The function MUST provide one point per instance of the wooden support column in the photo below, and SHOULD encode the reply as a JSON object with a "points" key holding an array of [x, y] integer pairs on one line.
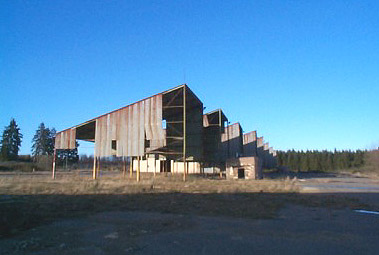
{"points": [[184, 133], [94, 167], [123, 167], [147, 163], [131, 167], [219, 122], [54, 156], [138, 168], [98, 167], [155, 166]]}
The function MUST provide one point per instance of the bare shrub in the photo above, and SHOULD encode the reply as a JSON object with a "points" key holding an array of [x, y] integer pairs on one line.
{"points": [[44, 163]]}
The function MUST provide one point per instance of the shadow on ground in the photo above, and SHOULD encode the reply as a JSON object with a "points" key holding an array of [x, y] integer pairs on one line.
{"points": [[22, 212]]}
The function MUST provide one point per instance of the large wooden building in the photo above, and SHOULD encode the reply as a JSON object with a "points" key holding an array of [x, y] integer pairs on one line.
{"points": [[167, 132]]}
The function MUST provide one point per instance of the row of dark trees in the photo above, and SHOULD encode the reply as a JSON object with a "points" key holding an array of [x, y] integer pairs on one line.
{"points": [[42, 144], [321, 160]]}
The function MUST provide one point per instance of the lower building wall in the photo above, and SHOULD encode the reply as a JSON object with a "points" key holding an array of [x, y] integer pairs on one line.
{"points": [[151, 165], [244, 168], [192, 167]]}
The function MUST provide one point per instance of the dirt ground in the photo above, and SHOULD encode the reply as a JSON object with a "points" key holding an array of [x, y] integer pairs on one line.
{"points": [[313, 214]]}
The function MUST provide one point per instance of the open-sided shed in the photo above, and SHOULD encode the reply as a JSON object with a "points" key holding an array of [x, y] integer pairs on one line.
{"points": [[169, 124]]}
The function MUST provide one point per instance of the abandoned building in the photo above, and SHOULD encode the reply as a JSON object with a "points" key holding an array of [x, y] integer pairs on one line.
{"points": [[169, 132]]}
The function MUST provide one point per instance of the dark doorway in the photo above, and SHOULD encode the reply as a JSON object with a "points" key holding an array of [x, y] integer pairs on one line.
{"points": [[241, 173], [162, 165], [168, 166], [165, 166]]}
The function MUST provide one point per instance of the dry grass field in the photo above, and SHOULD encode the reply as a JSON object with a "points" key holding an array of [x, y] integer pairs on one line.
{"points": [[28, 200]]}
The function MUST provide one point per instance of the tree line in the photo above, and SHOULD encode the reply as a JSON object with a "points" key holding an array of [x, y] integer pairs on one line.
{"points": [[42, 145], [310, 160], [314, 160]]}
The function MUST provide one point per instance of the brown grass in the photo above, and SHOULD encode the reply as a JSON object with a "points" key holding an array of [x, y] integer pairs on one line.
{"points": [[27, 201], [74, 184]]}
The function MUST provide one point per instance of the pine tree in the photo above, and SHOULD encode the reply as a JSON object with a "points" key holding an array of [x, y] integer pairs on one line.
{"points": [[11, 141], [51, 141], [43, 141]]}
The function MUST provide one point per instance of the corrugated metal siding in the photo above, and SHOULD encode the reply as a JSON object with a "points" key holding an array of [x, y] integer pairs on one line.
{"points": [[232, 141], [128, 127], [205, 121], [260, 141], [66, 139], [250, 144]]}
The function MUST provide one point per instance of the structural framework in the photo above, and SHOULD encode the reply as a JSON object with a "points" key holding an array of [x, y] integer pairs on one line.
{"points": [[168, 132]]}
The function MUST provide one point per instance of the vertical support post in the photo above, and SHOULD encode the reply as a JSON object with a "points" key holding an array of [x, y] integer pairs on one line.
{"points": [[219, 118], [147, 163], [155, 166], [131, 167], [184, 133], [54, 156], [94, 167], [220, 125], [98, 167], [228, 141], [138, 168], [123, 167]]}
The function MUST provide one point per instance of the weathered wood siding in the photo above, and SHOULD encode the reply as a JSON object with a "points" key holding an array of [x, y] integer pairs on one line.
{"points": [[250, 144], [232, 141], [131, 127], [66, 139]]}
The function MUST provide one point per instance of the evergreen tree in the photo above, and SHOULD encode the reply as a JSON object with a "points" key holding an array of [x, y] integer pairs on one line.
{"points": [[11, 141], [50, 142], [321, 160], [43, 141]]}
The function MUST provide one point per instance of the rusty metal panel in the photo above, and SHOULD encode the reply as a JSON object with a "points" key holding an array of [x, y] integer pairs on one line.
{"points": [[250, 144], [141, 129], [58, 140], [159, 139], [72, 144], [205, 120], [134, 128], [98, 137], [232, 141], [153, 122], [250, 137], [147, 120], [128, 126], [62, 140], [260, 141], [66, 139], [121, 133], [103, 133]]}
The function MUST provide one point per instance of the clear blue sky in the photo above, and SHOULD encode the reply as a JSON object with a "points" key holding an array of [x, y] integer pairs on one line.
{"points": [[305, 74]]}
